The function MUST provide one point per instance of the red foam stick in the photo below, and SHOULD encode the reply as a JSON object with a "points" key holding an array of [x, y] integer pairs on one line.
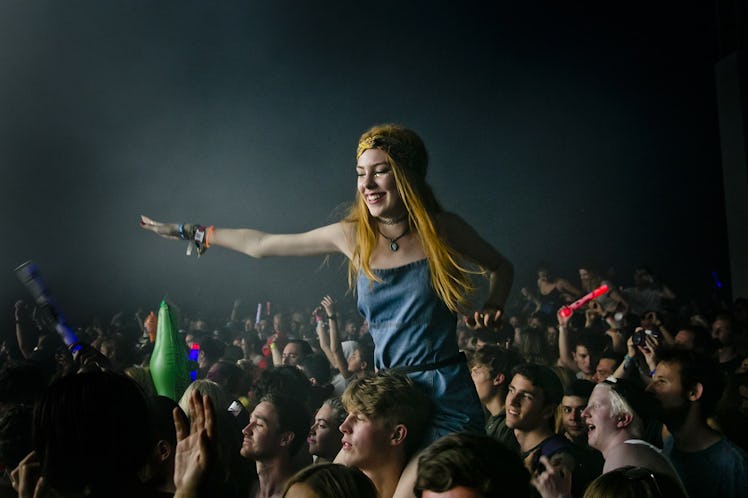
{"points": [[566, 311]]}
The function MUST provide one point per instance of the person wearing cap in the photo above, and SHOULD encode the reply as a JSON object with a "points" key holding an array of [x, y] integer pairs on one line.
{"points": [[615, 426], [688, 387]]}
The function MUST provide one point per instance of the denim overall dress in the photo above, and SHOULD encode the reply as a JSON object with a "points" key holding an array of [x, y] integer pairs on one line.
{"points": [[413, 330]]}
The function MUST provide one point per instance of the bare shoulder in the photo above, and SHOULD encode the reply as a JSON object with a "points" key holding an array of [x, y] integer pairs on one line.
{"points": [[619, 456], [641, 455], [348, 242]]}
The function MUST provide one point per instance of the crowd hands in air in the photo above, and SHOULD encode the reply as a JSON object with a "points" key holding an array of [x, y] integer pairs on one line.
{"points": [[639, 393]]}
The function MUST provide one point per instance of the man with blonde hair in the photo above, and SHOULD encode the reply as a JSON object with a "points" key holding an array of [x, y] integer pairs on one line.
{"points": [[387, 415], [615, 426]]}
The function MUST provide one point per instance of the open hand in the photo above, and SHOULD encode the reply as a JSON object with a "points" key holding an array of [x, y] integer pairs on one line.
{"points": [[552, 482], [166, 230], [196, 458], [26, 478], [329, 304]]}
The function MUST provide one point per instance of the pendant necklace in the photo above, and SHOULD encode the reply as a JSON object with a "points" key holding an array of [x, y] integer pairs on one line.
{"points": [[393, 242]]}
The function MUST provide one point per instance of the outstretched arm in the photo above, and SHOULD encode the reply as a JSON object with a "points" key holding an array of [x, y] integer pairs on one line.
{"points": [[564, 347], [324, 240]]}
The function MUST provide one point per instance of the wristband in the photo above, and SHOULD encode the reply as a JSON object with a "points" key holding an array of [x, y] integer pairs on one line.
{"points": [[331, 317], [273, 346], [208, 234], [652, 372], [199, 239]]}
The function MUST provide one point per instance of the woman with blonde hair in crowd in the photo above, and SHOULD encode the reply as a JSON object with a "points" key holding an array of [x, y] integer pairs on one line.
{"points": [[408, 260]]}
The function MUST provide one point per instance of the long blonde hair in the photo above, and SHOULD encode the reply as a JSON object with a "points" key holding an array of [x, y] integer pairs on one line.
{"points": [[407, 156]]}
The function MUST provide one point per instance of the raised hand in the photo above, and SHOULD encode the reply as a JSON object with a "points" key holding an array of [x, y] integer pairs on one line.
{"points": [[553, 481], [196, 458], [26, 478], [329, 304]]}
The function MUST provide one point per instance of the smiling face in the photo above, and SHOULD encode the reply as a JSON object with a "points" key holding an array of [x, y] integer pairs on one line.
{"points": [[601, 425], [324, 436], [376, 185], [525, 405]]}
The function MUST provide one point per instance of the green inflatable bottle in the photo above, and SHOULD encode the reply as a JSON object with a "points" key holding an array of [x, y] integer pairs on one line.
{"points": [[169, 360]]}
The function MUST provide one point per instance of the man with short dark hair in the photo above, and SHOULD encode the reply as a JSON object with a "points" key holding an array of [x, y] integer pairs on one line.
{"points": [[531, 402], [490, 368], [688, 387], [277, 429], [465, 465], [573, 428]]}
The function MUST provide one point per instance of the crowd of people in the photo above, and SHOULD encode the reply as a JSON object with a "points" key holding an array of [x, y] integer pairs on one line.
{"points": [[420, 391], [607, 402]]}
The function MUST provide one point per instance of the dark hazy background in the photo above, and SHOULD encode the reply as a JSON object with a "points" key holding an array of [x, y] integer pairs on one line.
{"points": [[562, 133]]}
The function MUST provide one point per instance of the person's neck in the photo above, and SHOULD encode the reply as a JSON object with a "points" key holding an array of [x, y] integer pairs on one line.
{"points": [[726, 353], [618, 438], [272, 475], [386, 475], [394, 220], [496, 404], [694, 434], [530, 439]]}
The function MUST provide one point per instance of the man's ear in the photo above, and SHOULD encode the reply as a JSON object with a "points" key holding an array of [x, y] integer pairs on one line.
{"points": [[624, 420], [286, 438], [399, 433], [695, 393], [499, 379], [164, 449]]}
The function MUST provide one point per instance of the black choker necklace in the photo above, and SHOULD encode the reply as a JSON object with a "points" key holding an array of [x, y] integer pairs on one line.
{"points": [[393, 242], [386, 221]]}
